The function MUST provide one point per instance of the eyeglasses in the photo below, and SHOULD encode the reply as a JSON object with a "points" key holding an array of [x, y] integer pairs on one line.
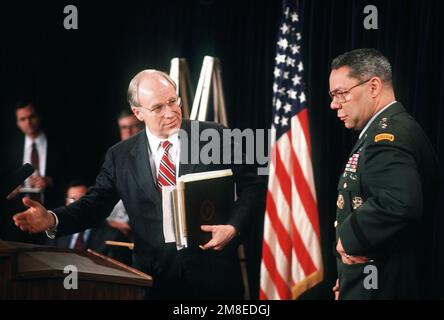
{"points": [[160, 109], [340, 94]]}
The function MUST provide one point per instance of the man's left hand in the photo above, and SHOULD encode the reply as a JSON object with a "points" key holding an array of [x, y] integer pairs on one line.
{"points": [[221, 235], [348, 259]]}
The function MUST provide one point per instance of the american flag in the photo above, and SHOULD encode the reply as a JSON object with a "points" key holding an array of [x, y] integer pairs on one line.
{"points": [[291, 253]]}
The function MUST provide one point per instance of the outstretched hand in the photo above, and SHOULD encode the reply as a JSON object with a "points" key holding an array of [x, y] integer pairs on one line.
{"points": [[35, 219], [221, 235]]}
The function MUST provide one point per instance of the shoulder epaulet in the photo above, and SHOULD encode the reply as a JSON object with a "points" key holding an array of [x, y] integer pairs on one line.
{"points": [[383, 131]]}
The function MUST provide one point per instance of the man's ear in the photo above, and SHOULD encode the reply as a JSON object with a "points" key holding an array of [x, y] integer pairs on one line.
{"points": [[375, 86], [137, 113]]}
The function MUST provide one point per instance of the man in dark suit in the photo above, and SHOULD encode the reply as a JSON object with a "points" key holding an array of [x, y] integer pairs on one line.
{"points": [[388, 188], [134, 172], [42, 151], [49, 159]]}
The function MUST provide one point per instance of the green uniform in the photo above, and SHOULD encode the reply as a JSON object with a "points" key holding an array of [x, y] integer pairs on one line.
{"points": [[385, 195]]}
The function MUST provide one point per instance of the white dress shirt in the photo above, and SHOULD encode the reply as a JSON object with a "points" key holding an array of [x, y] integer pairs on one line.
{"points": [[155, 151]]}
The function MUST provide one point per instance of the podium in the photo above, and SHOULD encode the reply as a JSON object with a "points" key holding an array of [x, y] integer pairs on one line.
{"points": [[29, 271]]}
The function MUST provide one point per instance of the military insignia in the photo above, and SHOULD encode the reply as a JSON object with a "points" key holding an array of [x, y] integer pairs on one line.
{"points": [[352, 164], [353, 176], [357, 202], [384, 136], [344, 175], [383, 123], [340, 201]]}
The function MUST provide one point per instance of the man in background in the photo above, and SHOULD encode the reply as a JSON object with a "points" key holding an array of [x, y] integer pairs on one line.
{"points": [[44, 153], [128, 126], [93, 238], [49, 158], [118, 220], [82, 240]]}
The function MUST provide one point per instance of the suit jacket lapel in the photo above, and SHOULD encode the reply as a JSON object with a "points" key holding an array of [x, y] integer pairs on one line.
{"points": [[142, 168], [141, 165]]}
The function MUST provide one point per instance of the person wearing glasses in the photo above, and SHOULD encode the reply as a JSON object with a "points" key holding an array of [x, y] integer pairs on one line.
{"points": [[119, 228], [83, 240], [92, 238], [128, 124], [387, 190], [136, 170]]}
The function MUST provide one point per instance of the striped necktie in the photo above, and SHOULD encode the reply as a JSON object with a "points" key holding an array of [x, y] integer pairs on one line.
{"points": [[167, 170]]}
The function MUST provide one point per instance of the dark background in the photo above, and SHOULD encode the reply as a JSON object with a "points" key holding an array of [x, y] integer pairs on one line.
{"points": [[80, 77]]}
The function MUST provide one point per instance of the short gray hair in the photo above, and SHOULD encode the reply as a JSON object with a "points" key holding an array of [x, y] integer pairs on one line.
{"points": [[133, 88], [364, 64]]}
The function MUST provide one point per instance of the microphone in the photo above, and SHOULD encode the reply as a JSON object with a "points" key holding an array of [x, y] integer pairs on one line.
{"points": [[15, 179]]}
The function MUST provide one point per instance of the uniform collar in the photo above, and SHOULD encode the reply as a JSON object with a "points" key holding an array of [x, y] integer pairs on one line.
{"points": [[374, 117]]}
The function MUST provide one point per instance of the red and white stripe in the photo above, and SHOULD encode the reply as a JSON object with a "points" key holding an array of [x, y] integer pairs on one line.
{"points": [[167, 171], [291, 254]]}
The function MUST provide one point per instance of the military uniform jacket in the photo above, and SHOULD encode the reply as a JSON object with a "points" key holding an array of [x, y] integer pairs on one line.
{"points": [[383, 197]]}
